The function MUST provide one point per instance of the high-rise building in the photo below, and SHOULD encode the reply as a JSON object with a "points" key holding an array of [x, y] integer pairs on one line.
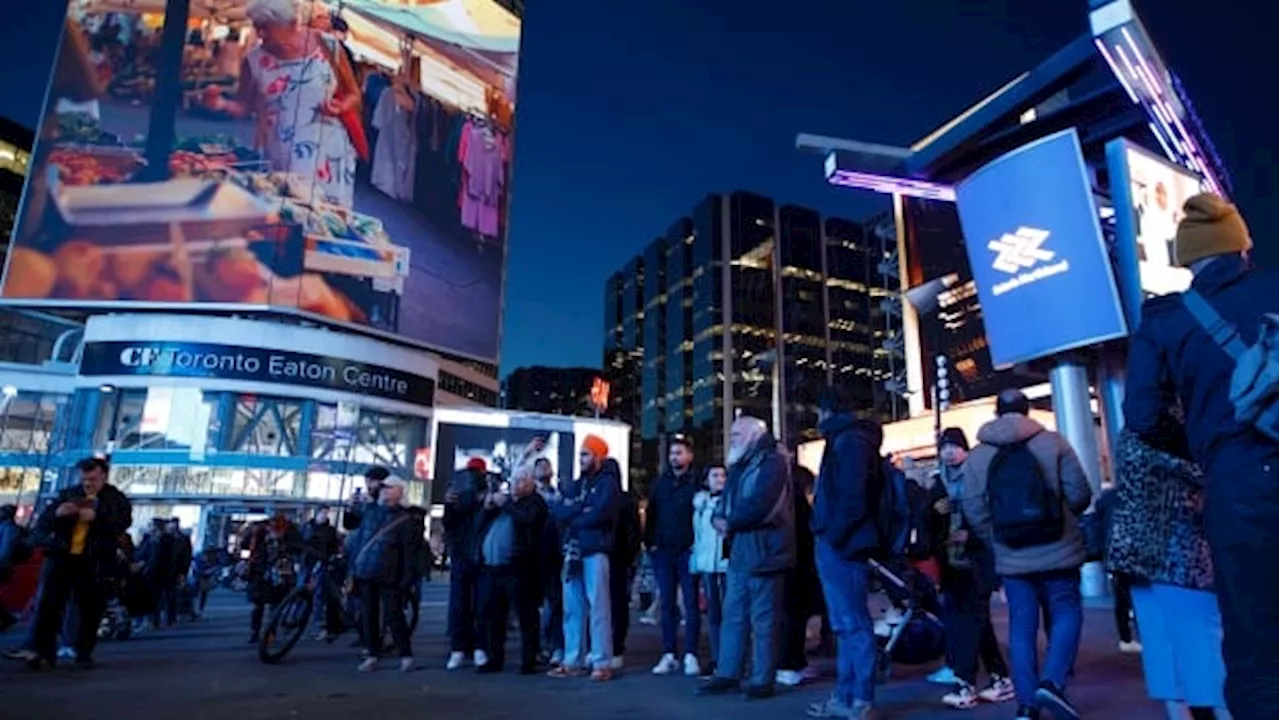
{"points": [[551, 390], [747, 306]]}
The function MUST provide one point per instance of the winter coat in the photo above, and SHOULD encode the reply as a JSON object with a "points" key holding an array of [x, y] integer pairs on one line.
{"points": [[588, 510], [1064, 476], [668, 524], [708, 545], [322, 540], [844, 507], [386, 548], [528, 517], [1157, 523], [114, 515], [758, 510], [464, 517], [1171, 355]]}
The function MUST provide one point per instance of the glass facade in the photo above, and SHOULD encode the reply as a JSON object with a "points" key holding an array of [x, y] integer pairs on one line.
{"points": [[804, 319], [707, 325]]}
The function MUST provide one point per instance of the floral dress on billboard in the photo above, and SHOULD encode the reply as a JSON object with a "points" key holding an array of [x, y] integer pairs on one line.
{"points": [[295, 136]]}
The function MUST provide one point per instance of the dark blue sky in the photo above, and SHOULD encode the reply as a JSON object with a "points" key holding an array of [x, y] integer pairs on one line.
{"points": [[630, 112]]}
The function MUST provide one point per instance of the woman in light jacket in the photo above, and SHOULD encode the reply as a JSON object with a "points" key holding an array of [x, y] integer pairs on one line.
{"points": [[1157, 538], [709, 559]]}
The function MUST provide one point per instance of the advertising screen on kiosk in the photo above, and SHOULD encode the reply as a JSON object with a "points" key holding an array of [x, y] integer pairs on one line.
{"points": [[1036, 250], [347, 161]]}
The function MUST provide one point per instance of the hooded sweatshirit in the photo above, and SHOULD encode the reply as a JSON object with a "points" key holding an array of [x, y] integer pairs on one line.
{"points": [[1062, 472]]}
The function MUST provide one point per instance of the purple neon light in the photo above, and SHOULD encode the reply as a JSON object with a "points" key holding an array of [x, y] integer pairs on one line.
{"points": [[893, 185], [1115, 69], [1137, 54]]}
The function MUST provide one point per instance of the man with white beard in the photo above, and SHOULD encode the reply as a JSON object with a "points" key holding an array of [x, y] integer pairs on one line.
{"points": [[757, 518]]}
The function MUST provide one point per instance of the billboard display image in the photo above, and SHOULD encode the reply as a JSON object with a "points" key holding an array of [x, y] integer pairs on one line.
{"points": [[347, 161], [502, 448], [1148, 193]]}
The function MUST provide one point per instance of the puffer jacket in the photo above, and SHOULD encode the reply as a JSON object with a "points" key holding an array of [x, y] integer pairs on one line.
{"points": [[588, 511], [1157, 523], [844, 506], [708, 547], [386, 547], [759, 513], [1062, 472]]}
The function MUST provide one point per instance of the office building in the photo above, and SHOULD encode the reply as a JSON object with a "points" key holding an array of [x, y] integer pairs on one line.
{"points": [[551, 390], [747, 306]]}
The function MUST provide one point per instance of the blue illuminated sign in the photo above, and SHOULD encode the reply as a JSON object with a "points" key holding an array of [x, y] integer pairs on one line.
{"points": [[1037, 254]]}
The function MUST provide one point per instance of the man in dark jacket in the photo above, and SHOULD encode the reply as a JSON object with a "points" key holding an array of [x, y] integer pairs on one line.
{"points": [[354, 515], [463, 513], [81, 530], [1174, 360], [968, 579], [384, 564], [668, 537], [802, 597], [320, 538], [756, 515], [11, 536], [628, 539], [275, 546], [844, 526], [512, 536], [550, 559], [588, 515]]}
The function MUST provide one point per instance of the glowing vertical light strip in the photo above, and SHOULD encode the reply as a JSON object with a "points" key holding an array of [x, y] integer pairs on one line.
{"points": [[1138, 55], [1168, 151], [1115, 69]]}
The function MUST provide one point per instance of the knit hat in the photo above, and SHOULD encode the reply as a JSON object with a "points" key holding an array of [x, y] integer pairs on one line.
{"points": [[1211, 226], [595, 445], [477, 463], [954, 436]]}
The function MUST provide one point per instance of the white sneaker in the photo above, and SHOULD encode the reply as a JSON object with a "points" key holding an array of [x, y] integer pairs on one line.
{"points": [[648, 620], [963, 698], [369, 664], [456, 661], [480, 658], [616, 663], [406, 665], [557, 658], [943, 676], [692, 668], [666, 665], [1131, 648], [788, 678], [1000, 690], [66, 653]]}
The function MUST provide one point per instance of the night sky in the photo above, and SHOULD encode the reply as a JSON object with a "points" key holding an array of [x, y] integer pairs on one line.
{"points": [[630, 112]]}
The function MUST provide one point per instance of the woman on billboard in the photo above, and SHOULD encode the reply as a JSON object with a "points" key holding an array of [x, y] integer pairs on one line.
{"points": [[301, 88]]}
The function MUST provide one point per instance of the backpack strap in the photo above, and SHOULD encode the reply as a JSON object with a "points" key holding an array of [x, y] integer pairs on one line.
{"points": [[1222, 332]]}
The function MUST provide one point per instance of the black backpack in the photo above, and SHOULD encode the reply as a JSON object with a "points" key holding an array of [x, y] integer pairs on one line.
{"points": [[1025, 511], [893, 511]]}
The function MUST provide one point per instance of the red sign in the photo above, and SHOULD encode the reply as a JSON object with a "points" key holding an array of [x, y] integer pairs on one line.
{"points": [[422, 463], [600, 394]]}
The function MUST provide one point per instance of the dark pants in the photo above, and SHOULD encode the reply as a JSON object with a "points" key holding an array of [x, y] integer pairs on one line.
{"points": [[1123, 607], [795, 623], [969, 633], [623, 572], [714, 587], [166, 590], [464, 600], [375, 599], [501, 589], [68, 579], [752, 621], [671, 570], [1060, 590], [1240, 520], [552, 611]]}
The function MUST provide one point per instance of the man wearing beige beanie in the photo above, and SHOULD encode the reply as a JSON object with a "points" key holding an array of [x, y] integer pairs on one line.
{"points": [[1174, 362]]}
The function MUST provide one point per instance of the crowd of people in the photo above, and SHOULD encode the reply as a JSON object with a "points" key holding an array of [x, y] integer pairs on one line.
{"points": [[762, 546]]}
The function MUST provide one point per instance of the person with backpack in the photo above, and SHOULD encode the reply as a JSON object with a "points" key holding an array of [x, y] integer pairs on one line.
{"points": [[968, 580], [847, 527], [1024, 491], [1213, 350]]}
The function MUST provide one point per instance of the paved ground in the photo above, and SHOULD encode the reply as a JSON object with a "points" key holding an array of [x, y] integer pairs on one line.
{"points": [[205, 670]]}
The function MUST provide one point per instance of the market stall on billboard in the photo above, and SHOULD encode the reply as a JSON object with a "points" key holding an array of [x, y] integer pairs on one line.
{"points": [[349, 163]]}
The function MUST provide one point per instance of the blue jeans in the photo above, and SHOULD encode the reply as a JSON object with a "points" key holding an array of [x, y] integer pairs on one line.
{"points": [[844, 584], [588, 611], [1060, 590], [671, 571]]}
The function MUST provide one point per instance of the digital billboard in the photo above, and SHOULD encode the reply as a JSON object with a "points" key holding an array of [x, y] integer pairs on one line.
{"points": [[1035, 247], [345, 161], [1148, 193]]}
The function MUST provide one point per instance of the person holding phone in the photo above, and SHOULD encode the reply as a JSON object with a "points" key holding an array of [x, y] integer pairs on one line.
{"points": [[463, 515]]}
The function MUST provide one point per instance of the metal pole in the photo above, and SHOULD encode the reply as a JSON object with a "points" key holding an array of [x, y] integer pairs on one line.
{"points": [[162, 131], [1069, 379], [1111, 382]]}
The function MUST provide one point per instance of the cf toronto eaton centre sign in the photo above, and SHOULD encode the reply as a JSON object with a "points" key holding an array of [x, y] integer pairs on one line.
{"points": [[230, 362], [1031, 231]]}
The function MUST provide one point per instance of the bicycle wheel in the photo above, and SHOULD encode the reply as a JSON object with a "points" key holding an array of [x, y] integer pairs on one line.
{"points": [[286, 626]]}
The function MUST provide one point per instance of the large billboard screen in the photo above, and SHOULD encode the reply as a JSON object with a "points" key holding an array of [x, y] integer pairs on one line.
{"points": [[347, 161], [1148, 193], [1036, 251]]}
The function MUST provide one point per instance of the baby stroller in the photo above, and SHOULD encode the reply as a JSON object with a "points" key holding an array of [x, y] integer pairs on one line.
{"points": [[906, 614]]}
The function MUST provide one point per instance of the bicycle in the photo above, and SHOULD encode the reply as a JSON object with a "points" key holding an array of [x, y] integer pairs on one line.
{"points": [[292, 616]]}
